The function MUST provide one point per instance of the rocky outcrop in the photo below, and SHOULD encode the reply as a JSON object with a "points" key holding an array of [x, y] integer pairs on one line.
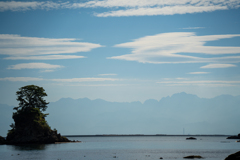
{"points": [[235, 156], [193, 156], [31, 127], [191, 138], [2, 140], [234, 137]]}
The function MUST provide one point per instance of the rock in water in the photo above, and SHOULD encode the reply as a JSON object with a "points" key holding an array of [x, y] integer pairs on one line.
{"points": [[234, 137], [31, 127], [2, 140], [235, 156], [191, 138], [193, 156]]}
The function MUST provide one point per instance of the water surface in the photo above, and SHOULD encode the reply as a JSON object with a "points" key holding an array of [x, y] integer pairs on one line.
{"points": [[125, 148]]}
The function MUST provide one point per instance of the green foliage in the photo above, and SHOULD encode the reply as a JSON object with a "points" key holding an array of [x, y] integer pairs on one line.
{"points": [[31, 116], [28, 117], [31, 96], [30, 124]]}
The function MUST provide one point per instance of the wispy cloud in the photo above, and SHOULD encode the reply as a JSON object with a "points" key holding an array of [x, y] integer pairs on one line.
{"points": [[34, 66], [193, 28], [107, 74], [70, 80], [201, 83], [218, 66], [84, 80], [129, 8], [199, 73], [167, 10], [48, 57], [35, 48], [21, 79], [24, 6], [168, 48]]}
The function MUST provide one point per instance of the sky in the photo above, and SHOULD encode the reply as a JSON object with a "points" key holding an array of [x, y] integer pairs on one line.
{"points": [[118, 50]]}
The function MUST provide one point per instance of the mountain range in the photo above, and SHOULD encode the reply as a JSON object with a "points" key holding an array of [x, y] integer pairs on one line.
{"points": [[181, 113]]}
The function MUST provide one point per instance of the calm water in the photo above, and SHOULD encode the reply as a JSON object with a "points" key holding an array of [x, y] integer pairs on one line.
{"points": [[125, 148]]}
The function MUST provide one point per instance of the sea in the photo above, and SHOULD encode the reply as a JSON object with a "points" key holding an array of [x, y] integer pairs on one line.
{"points": [[125, 148]]}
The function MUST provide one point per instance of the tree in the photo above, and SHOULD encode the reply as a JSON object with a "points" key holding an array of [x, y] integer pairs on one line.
{"points": [[30, 124], [31, 96]]}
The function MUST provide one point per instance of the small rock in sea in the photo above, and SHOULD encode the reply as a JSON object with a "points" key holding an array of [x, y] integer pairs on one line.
{"points": [[191, 138], [193, 156], [114, 156], [235, 156], [160, 158]]}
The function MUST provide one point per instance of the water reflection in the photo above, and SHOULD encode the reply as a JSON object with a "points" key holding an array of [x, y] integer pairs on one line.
{"points": [[27, 147]]}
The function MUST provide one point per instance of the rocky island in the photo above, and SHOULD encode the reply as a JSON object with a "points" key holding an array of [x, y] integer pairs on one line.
{"points": [[234, 137], [30, 125]]}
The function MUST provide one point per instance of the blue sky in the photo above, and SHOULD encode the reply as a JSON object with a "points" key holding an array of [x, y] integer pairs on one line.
{"points": [[120, 50]]}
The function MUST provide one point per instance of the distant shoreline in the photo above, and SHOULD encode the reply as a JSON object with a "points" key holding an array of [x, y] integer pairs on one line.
{"points": [[143, 135]]}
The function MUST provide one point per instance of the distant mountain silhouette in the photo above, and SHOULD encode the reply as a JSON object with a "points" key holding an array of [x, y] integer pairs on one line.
{"points": [[219, 115]]}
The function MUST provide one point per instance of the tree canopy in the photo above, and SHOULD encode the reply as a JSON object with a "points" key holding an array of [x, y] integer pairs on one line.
{"points": [[30, 124], [31, 96]]}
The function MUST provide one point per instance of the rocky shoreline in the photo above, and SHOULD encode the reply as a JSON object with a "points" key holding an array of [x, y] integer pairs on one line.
{"points": [[234, 137]]}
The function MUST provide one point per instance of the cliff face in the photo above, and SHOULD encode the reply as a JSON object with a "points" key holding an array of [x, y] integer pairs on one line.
{"points": [[31, 127]]}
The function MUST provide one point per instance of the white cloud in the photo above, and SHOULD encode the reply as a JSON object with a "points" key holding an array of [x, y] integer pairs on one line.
{"points": [[168, 10], [168, 48], [201, 83], [48, 57], [198, 73], [193, 28], [181, 78], [37, 48], [155, 7], [34, 66], [107, 74], [84, 79], [21, 79], [129, 8], [218, 66], [70, 80], [23, 6]]}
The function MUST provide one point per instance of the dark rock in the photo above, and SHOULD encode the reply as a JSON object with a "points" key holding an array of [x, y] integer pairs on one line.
{"points": [[2, 140], [193, 156], [235, 156], [234, 137], [31, 128], [191, 138]]}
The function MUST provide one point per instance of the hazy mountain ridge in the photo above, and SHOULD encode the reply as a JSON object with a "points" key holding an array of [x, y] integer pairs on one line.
{"points": [[169, 115]]}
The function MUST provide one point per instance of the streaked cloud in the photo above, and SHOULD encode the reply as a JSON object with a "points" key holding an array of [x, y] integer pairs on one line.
{"points": [[209, 83], [34, 66], [129, 8], [193, 28], [107, 74], [24, 6], [35, 48], [168, 48], [179, 78], [70, 80], [218, 66], [21, 79], [84, 80], [49, 57], [199, 73], [167, 10]]}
